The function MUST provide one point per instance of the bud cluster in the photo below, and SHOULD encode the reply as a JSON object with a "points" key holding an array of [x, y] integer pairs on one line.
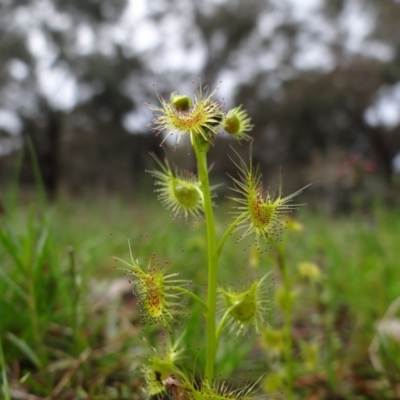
{"points": [[246, 308], [201, 116], [179, 191], [261, 212], [156, 291]]}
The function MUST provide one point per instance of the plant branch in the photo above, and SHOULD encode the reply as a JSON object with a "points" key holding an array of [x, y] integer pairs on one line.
{"points": [[212, 259], [193, 296]]}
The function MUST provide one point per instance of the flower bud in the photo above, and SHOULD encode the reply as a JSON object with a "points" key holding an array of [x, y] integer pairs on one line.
{"points": [[156, 372], [310, 353], [243, 305], [181, 102], [161, 366], [285, 299], [186, 194], [246, 308], [274, 382], [155, 291], [180, 192], [261, 212], [221, 390], [237, 123], [309, 270], [182, 116], [292, 224], [273, 341], [232, 123]]}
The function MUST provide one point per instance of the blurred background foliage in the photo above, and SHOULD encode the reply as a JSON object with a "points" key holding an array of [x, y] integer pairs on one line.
{"points": [[320, 79]]}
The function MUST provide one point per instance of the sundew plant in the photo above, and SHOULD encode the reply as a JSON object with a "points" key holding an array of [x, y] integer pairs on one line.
{"points": [[257, 213]]}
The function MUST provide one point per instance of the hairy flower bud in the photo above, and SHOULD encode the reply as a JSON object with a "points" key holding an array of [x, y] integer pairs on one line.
{"points": [[309, 270], [273, 341], [160, 366], [181, 102], [246, 308], [292, 224], [221, 390], [155, 291], [284, 299], [310, 354], [260, 212], [182, 116], [237, 123], [180, 192]]}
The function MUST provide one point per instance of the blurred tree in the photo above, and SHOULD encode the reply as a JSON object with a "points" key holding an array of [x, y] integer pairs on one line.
{"points": [[300, 105], [314, 76], [49, 76]]}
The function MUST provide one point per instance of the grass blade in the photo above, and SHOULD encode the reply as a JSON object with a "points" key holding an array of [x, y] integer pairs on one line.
{"points": [[11, 244], [13, 190], [13, 286], [25, 349], [36, 172], [5, 389]]}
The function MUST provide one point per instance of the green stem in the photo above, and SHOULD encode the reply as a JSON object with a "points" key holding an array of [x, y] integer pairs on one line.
{"points": [[227, 233], [212, 260], [192, 295], [329, 363], [287, 321], [33, 311], [75, 294], [222, 323]]}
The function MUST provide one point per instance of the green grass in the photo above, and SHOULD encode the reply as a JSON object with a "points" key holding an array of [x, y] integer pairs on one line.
{"points": [[64, 333]]}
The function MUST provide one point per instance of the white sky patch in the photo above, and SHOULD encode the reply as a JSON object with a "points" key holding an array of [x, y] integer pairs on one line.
{"points": [[379, 50], [104, 42], [173, 31], [10, 122], [18, 69], [357, 21], [134, 12], [316, 34], [39, 46], [312, 43], [219, 1], [396, 163], [315, 55], [58, 21], [23, 19], [227, 87], [302, 9], [55, 82], [138, 121], [145, 36], [181, 59], [268, 61], [268, 21], [85, 39], [10, 144], [134, 29], [386, 110], [59, 86]]}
